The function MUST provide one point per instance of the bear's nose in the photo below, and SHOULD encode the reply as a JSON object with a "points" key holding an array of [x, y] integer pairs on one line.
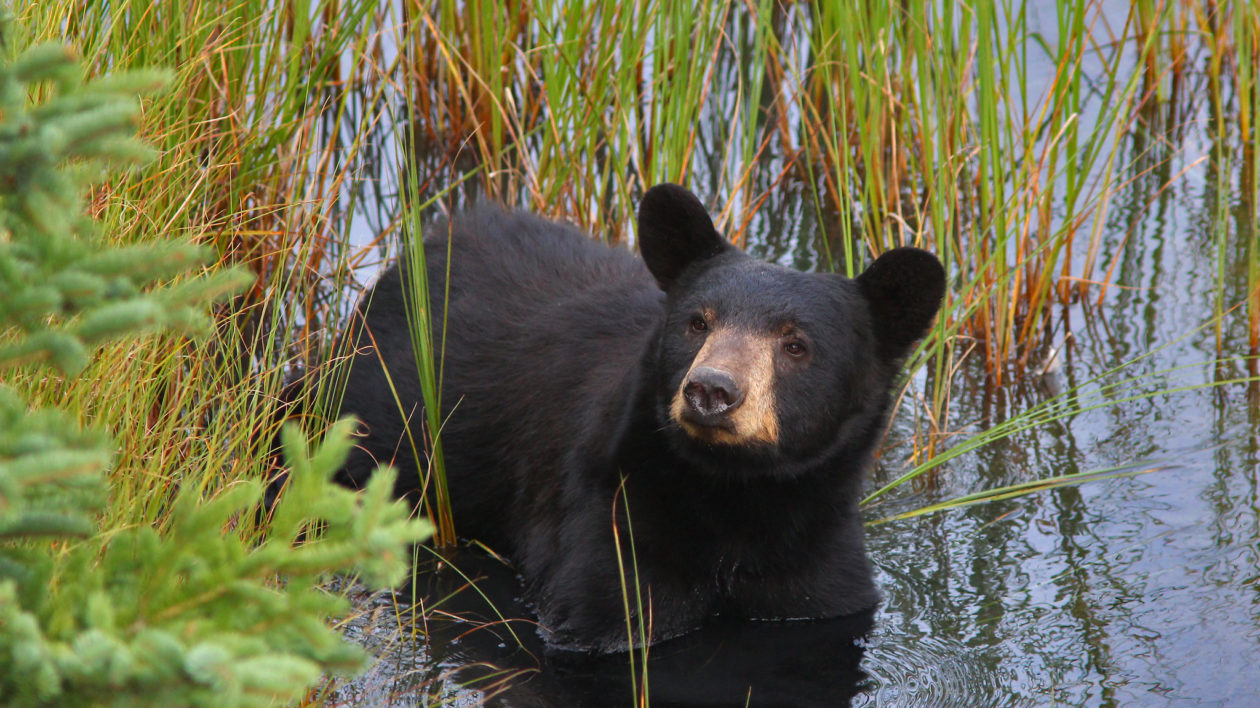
{"points": [[711, 392]]}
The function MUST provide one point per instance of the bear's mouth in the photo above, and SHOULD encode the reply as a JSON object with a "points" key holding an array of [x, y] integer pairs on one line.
{"points": [[691, 419], [710, 429]]}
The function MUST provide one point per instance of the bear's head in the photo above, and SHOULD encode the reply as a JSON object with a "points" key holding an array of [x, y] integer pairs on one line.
{"points": [[762, 369]]}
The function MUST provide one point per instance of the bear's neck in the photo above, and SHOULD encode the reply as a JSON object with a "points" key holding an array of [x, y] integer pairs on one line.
{"points": [[712, 503]]}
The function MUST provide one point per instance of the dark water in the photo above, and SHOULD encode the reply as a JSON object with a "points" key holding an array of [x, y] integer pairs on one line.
{"points": [[1134, 590]]}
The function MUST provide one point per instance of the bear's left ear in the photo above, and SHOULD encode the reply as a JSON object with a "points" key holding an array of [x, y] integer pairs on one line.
{"points": [[904, 288], [675, 231]]}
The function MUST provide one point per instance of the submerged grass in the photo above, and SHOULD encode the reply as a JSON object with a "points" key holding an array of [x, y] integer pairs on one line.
{"points": [[996, 139]]}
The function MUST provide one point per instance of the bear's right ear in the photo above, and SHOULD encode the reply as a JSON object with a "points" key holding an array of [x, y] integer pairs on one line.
{"points": [[904, 288], [675, 231]]}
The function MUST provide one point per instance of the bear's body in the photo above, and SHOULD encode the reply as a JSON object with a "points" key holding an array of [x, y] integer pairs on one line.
{"points": [[717, 410]]}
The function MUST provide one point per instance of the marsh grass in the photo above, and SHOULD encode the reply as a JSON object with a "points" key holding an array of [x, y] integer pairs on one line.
{"points": [[637, 612], [933, 124], [428, 337], [961, 130]]}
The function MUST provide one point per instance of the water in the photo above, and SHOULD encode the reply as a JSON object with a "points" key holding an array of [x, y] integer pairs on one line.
{"points": [[1141, 589], [1134, 591]]}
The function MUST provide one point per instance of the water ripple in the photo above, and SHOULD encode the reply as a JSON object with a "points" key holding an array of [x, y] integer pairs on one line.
{"points": [[930, 671]]}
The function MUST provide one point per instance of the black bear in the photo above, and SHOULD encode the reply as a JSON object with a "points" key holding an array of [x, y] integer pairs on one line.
{"points": [[694, 423]]}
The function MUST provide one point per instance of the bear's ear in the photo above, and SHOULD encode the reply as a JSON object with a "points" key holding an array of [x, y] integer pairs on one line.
{"points": [[904, 288], [675, 231]]}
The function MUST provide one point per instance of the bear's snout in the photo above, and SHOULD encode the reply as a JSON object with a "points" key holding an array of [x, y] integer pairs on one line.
{"points": [[711, 393], [727, 396]]}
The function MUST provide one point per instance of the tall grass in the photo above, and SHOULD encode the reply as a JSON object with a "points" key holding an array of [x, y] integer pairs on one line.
{"points": [[250, 163], [567, 112], [428, 335], [1245, 56], [959, 128]]}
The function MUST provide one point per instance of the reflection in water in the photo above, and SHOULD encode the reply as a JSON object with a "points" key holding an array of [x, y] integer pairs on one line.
{"points": [[1115, 593], [478, 637]]}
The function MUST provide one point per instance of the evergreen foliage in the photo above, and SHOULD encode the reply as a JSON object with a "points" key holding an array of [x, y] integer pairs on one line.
{"points": [[194, 613]]}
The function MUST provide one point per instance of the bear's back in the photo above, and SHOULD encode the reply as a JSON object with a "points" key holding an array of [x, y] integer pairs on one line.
{"points": [[546, 329], [519, 261]]}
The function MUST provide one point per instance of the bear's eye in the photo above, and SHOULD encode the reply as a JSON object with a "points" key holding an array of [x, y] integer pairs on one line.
{"points": [[794, 348], [698, 324]]}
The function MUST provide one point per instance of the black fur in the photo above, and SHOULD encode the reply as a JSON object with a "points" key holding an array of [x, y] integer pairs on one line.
{"points": [[561, 358]]}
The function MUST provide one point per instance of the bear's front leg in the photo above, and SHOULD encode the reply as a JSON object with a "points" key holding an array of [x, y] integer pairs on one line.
{"points": [[834, 579], [595, 605]]}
